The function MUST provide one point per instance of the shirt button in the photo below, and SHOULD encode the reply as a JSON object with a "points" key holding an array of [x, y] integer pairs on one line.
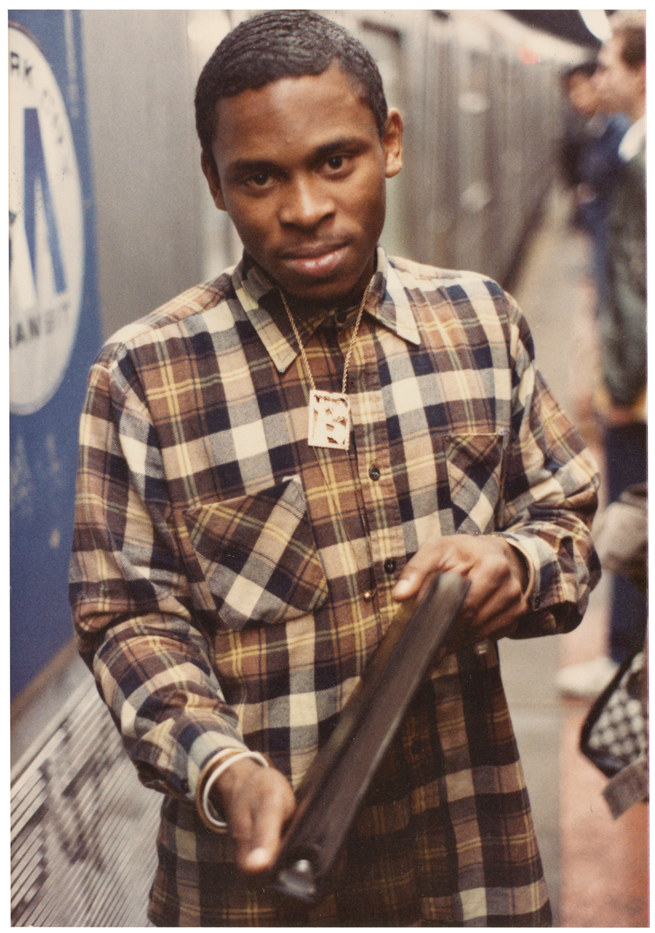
{"points": [[390, 565], [341, 317], [374, 473], [368, 595]]}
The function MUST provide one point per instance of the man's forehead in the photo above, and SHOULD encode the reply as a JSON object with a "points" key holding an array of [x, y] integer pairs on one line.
{"points": [[334, 80], [295, 105]]}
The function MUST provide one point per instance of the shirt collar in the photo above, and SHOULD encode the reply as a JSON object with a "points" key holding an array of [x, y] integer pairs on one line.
{"points": [[387, 302], [633, 140]]}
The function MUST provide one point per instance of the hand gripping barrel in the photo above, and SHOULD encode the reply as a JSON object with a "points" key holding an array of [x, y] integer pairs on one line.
{"points": [[335, 784]]}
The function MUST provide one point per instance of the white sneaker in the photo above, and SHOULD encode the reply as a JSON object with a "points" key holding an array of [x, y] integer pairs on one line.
{"points": [[587, 679]]}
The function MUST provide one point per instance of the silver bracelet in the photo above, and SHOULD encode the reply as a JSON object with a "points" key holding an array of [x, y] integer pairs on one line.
{"points": [[214, 776]]}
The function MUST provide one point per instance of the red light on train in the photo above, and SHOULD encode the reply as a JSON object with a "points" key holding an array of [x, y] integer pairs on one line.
{"points": [[528, 56]]}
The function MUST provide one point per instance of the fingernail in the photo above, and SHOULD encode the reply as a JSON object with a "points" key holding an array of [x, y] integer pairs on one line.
{"points": [[257, 858], [401, 589]]}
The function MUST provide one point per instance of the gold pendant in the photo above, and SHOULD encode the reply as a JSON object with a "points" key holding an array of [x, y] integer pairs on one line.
{"points": [[329, 420]]}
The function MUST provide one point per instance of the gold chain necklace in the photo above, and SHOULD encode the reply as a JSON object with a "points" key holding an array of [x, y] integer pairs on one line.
{"points": [[329, 412]]}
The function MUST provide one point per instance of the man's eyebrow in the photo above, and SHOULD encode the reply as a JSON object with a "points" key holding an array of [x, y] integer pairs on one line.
{"points": [[336, 145], [241, 167]]}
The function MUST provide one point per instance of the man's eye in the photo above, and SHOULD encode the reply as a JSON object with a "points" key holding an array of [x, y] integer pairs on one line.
{"points": [[336, 162], [260, 179]]}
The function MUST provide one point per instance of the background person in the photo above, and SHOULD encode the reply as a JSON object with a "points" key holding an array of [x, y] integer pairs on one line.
{"points": [[621, 399], [591, 160]]}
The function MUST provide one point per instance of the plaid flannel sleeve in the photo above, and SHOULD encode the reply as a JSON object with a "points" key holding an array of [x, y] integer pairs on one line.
{"points": [[130, 599], [549, 497]]}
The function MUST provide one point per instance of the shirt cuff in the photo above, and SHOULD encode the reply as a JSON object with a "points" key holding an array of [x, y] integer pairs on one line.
{"points": [[527, 562]]}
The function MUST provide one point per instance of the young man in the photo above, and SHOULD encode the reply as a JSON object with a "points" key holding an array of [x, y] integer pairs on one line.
{"points": [[622, 82], [270, 464]]}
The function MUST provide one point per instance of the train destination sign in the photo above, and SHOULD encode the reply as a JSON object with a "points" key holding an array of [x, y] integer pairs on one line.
{"points": [[46, 229]]}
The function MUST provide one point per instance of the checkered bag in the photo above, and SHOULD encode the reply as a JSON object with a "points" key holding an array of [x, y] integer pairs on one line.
{"points": [[615, 732]]}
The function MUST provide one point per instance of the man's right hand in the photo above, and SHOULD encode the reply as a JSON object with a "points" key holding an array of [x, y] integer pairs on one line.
{"points": [[257, 803]]}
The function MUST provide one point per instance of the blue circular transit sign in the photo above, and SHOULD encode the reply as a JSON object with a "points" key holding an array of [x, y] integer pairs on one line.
{"points": [[46, 229]]}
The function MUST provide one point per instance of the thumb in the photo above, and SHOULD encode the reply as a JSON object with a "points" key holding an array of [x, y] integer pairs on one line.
{"points": [[270, 810], [263, 843], [415, 573], [408, 583], [258, 859]]}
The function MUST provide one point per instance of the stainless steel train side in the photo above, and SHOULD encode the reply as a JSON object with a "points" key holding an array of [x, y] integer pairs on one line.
{"points": [[482, 107]]}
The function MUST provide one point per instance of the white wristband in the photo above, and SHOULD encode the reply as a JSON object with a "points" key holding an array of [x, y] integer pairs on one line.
{"points": [[214, 776]]}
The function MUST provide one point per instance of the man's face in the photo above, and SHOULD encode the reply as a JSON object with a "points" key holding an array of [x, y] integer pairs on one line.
{"points": [[618, 85], [301, 172], [583, 94]]}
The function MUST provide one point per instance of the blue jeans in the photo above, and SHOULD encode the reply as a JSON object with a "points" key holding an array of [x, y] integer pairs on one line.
{"points": [[627, 464]]}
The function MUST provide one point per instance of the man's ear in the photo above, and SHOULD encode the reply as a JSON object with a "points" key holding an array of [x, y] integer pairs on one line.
{"points": [[392, 143], [211, 174]]}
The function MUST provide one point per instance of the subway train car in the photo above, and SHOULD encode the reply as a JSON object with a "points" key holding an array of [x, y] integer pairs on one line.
{"points": [[480, 96]]}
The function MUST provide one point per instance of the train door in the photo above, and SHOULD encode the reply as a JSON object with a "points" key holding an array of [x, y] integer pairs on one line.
{"points": [[507, 164], [434, 157], [474, 181]]}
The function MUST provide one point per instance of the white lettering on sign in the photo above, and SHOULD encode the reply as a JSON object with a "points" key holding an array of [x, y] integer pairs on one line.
{"points": [[46, 229]]}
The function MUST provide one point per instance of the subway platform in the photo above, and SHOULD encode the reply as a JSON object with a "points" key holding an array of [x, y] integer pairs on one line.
{"points": [[596, 867]]}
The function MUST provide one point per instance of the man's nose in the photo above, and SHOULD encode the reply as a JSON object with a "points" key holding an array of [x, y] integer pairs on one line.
{"points": [[306, 203]]}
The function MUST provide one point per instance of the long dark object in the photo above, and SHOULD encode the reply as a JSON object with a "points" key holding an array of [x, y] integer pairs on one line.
{"points": [[335, 785]]}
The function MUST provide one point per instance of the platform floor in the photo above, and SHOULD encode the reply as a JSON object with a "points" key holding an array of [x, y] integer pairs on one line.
{"points": [[596, 867]]}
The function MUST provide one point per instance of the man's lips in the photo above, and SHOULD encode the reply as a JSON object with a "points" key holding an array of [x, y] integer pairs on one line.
{"points": [[314, 262]]}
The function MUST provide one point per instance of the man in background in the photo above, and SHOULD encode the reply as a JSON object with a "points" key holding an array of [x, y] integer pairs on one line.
{"points": [[590, 160], [621, 399]]}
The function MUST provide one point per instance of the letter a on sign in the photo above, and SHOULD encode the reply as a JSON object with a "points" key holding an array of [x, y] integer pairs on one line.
{"points": [[37, 194]]}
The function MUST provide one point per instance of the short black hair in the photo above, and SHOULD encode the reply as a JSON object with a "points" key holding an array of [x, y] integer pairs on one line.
{"points": [[630, 27], [282, 44]]}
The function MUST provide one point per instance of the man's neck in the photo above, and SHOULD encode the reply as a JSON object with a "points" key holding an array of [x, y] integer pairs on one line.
{"points": [[308, 308], [638, 110]]}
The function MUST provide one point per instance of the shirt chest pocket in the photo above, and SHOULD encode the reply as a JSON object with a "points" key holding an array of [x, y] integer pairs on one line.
{"points": [[257, 558], [475, 478]]}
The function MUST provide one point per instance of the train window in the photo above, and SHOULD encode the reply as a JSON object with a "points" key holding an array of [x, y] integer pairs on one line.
{"points": [[473, 109], [384, 44]]}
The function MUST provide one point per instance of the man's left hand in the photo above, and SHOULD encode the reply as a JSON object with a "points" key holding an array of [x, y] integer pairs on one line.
{"points": [[497, 575]]}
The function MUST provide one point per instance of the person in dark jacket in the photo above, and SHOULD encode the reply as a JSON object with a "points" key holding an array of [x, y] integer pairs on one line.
{"points": [[621, 398], [590, 160]]}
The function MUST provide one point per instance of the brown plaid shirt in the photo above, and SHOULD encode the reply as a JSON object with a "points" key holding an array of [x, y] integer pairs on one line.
{"points": [[229, 582]]}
